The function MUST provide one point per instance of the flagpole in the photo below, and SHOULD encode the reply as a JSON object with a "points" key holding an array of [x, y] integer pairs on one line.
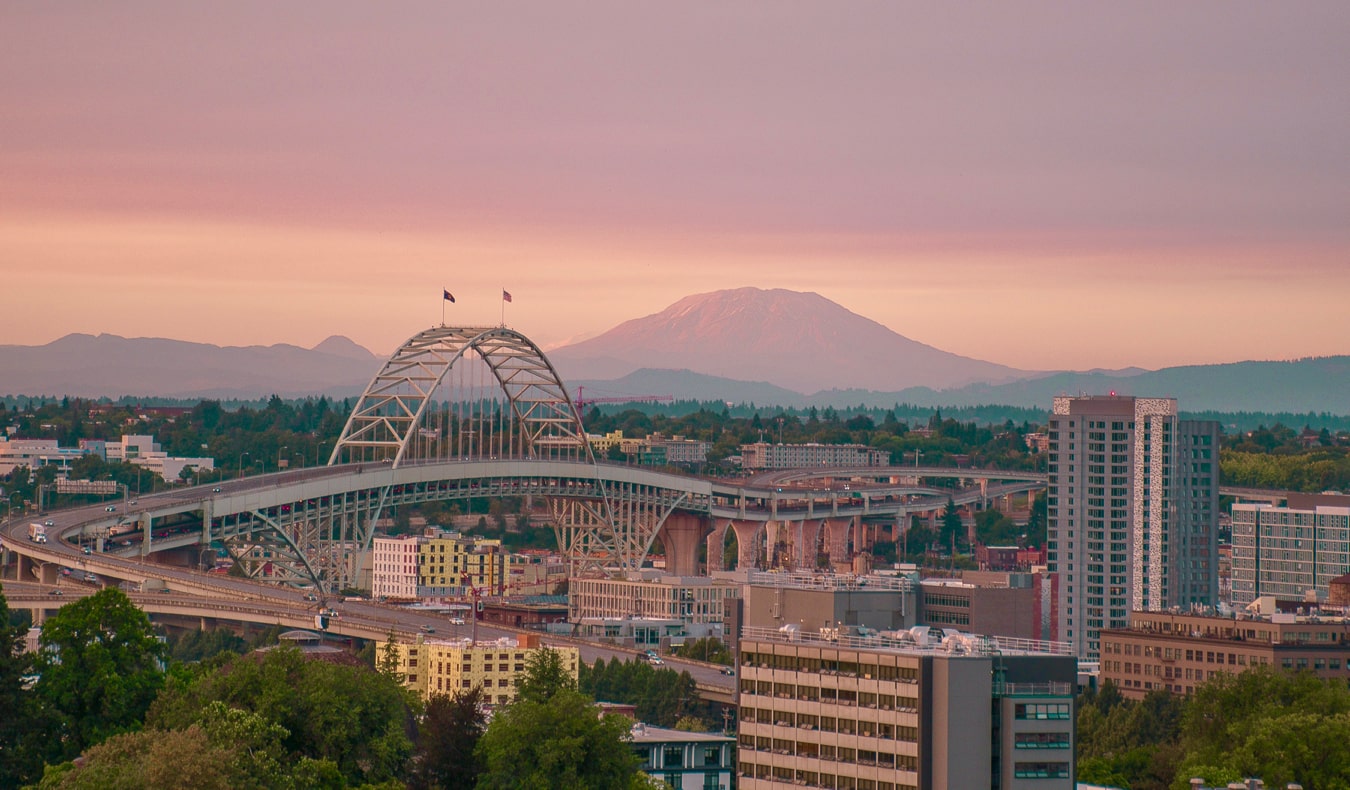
{"points": [[503, 306], [442, 307]]}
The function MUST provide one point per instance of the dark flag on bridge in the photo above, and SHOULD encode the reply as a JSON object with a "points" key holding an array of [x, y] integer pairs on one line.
{"points": [[449, 297]]}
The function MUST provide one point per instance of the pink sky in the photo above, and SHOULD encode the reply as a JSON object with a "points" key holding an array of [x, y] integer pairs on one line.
{"points": [[1040, 185]]}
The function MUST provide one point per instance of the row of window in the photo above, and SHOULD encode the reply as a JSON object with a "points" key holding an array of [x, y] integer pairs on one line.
{"points": [[783, 775]]}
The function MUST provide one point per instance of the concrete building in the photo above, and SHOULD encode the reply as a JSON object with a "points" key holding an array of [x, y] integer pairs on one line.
{"points": [[1292, 551], [685, 760], [762, 455], [999, 604], [35, 453], [144, 451], [810, 602], [649, 596], [1133, 512], [1177, 652], [435, 666], [890, 714]]}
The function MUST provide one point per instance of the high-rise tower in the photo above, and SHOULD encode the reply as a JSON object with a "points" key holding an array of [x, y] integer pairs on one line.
{"points": [[1132, 510]]}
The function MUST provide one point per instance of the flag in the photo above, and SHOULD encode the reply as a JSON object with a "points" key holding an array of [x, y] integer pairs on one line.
{"points": [[449, 297], [506, 295]]}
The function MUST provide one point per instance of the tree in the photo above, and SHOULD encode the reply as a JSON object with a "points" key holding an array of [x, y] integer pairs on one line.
{"points": [[18, 760], [448, 735], [545, 676], [348, 716], [556, 743], [100, 668], [953, 530], [389, 655]]}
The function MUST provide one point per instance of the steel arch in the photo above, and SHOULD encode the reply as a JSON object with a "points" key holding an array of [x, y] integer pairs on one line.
{"points": [[387, 415]]}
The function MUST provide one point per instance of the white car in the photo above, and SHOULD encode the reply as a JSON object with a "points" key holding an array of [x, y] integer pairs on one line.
{"points": [[456, 621]]}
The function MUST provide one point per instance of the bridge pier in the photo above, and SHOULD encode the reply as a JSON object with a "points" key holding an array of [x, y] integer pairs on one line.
{"points": [[837, 530], [806, 537], [680, 535], [747, 543], [716, 542]]}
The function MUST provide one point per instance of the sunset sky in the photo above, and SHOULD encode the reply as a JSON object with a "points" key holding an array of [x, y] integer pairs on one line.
{"points": [[1043, 185]]}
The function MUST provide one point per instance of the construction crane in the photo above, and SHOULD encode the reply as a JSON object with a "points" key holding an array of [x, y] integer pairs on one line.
{"points": [[582, 402]]}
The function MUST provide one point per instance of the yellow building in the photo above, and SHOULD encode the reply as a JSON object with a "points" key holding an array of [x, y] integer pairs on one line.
{"points": [[445, 560], [445, 666]]}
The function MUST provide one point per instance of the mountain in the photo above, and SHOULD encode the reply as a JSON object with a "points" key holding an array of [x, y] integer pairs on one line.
{"points": [[1315, 385], [99, 365], [799, 341]]}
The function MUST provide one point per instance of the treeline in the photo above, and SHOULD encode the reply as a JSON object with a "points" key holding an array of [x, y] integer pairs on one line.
{"points": [[104, 712], [1264, 723], [663, 697]]}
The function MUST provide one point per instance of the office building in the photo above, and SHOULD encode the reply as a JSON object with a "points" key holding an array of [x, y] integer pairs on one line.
{"points": [[1133, 512], [1177, 652], [893, 712], [1292, 551]]}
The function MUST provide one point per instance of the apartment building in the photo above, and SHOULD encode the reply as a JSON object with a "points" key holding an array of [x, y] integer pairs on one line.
{"points": [[1177, 652], [889, 712], [1290, 551], [762, 455], [437, 564], [1133, 512], [444, 666]]}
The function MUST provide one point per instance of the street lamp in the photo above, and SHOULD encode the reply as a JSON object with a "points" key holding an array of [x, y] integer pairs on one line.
{"points": [[279, 451], [241, 463]]}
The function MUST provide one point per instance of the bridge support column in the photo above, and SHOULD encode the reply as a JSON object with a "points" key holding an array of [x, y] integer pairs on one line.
{"points": [[680, 535], [50, 572], [147, 532], [19, 566], [837, 530], [747, 543], [716, 542], [806, 536]]}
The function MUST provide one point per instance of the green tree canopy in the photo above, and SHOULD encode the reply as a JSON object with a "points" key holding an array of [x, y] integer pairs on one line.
{"points": [[100, 668], [447, 738], [357, 719], [559, 742]]}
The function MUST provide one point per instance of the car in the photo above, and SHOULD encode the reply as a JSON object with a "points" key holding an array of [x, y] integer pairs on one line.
{"points": [[456, 621], [652, 654], [56, 591], [216, 490], [729, 671], [164, 590], [87, 550], [48, 523], [311, 597], [655, 661], [426, 629], [111, 508]]}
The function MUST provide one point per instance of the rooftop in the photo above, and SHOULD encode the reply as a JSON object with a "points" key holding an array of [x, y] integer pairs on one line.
{"points": [[918, 640], [829, 581]]}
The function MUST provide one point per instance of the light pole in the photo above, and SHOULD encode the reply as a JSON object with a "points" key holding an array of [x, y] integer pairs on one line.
{"points": [[279, 451], [241, 463]]}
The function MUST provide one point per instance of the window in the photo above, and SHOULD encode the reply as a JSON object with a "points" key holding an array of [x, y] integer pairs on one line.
{"points": [[1041, 740], [1050, 710], [673, 757], [1041, 770]]}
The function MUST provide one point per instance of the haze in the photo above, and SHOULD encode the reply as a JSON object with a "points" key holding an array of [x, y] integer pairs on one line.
{"points": [[1040, 185]]}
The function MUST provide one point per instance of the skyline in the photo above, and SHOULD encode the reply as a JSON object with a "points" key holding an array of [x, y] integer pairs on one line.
{"points": [[983, 181]]}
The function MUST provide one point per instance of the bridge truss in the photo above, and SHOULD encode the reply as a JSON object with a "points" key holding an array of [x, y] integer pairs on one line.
{"points": [[453, 394]]}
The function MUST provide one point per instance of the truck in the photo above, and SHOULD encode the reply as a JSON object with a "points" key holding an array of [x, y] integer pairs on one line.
{"points": [[37, 532]]}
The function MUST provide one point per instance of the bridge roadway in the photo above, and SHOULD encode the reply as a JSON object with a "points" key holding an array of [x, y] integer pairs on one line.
{"points": [[267, 605], [768, 497]]}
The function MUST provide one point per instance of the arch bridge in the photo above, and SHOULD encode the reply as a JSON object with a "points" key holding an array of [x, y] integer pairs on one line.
{"points": [[466, 413]]}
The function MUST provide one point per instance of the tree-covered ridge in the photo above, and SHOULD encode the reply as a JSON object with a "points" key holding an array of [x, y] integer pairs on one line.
{"points": [[1278, 726]]}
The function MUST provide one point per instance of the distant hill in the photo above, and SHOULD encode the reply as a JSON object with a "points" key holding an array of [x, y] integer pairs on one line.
{"points": [[110, 365], [798, 341], [1298, 387]]}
